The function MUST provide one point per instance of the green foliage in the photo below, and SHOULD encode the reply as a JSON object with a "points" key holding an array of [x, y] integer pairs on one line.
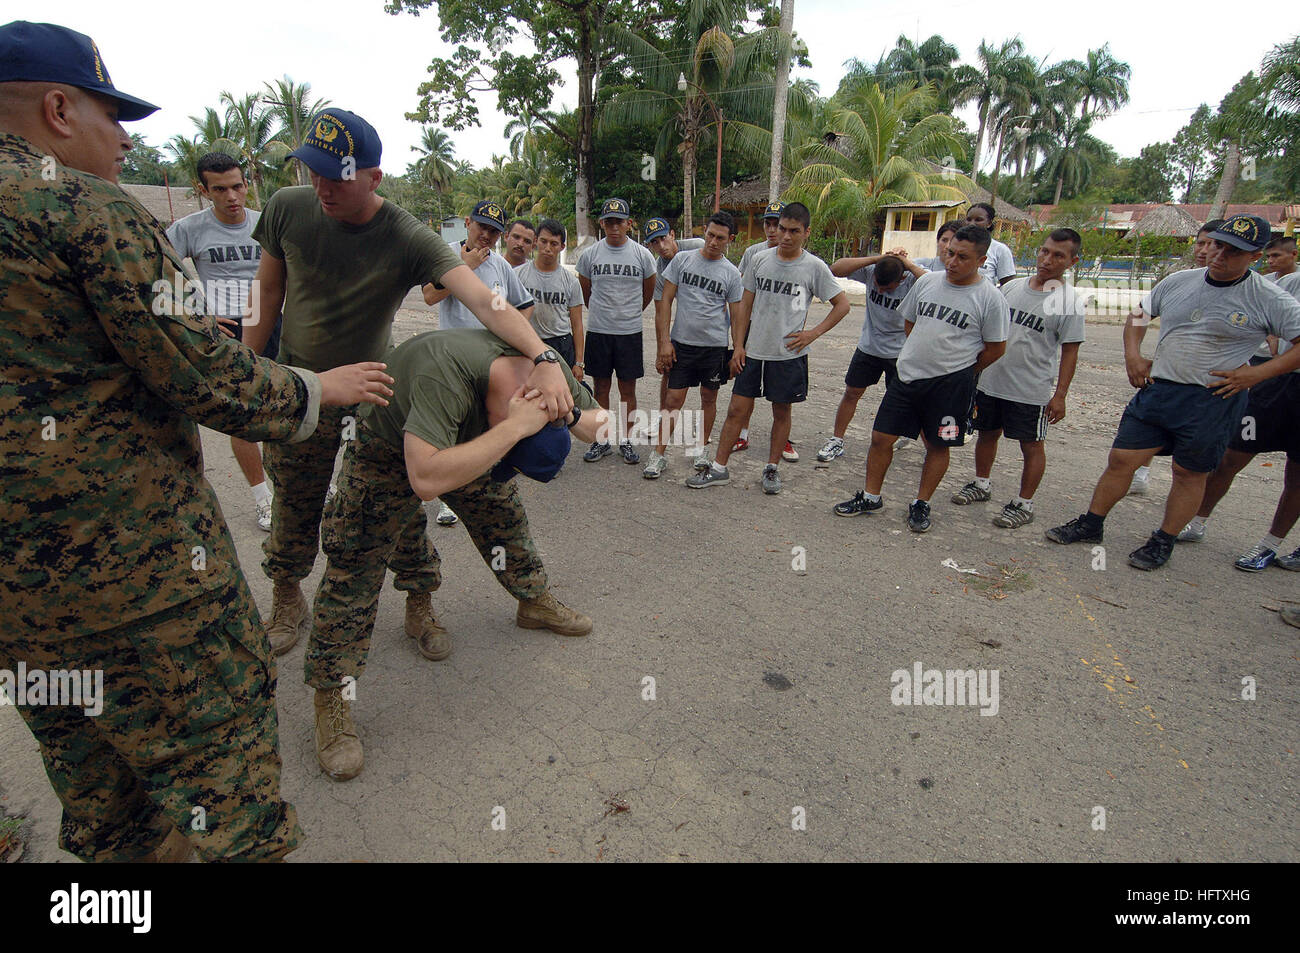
{"points": [[144, 164]]}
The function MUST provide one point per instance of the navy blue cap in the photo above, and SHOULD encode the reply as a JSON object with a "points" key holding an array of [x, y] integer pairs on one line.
{"points": [[615, 208], [48, 53], [339, 143], [656, 228], [774, 210], [539, 457], [1247, 232], [490, 214]]}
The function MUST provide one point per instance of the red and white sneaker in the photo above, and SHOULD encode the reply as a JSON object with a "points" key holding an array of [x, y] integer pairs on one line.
{"points": [[790, 453], [741, 444]]}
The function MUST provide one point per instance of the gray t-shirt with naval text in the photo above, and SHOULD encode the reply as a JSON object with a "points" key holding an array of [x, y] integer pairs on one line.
{"points": [[225, 256], [497, 274], [951, 325], [616, 275], [553, 294], [747, 256], [783, 293], [1041, 321], [704, 289], [999, 263], [1205, 328], [661, 263], [882, 331]]}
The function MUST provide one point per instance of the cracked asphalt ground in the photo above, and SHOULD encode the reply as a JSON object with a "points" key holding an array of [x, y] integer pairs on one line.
{"points": [[1118, 689]]}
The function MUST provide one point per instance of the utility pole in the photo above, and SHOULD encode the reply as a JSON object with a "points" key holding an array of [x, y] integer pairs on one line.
{"points": [[778, 111]]}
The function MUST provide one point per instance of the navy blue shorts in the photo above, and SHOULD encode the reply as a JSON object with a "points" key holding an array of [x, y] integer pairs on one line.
{"points": [[697, 365], [1017, 421], [1268, 424], [781, 382], [867, 369], [272, 349], [1185, 420], [610, 354], [563, 346], [939, 407]]}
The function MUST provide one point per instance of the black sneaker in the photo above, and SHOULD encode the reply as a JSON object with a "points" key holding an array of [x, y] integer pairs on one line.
{"points": [[858, 505], [1154, 554], [1075, 531], [918, 516]]}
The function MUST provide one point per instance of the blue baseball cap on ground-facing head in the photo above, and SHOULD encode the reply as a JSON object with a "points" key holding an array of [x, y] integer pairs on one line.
{"points": [[656, 228], [339, 143], [49, 53], [774, 210], [539, 457], [489, 213], [615, 208]]}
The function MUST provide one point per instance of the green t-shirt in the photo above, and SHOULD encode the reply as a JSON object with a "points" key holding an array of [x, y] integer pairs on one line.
{"points": [[345, 282], [441, 385]]}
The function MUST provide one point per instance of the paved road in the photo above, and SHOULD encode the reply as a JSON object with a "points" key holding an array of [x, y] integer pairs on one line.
{"points": [[772, 687]]}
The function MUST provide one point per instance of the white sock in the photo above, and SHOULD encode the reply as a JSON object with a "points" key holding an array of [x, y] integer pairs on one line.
{"points": [[1199, 521], [718, 468], [873, 497], [744, 433], [1023, 503], [1273, 543], [1142, 473], [983, 482], [261, 492]]}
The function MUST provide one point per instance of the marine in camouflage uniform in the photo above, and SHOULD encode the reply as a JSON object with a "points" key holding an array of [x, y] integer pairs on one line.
{"points": [[116, 556]]}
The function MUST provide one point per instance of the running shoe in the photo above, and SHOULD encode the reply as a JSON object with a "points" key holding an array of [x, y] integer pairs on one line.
{"points": [[1153, 555], [741, 444], [1291, 562], [971, 493], [790, 454], [1256, 559], [1192, 533], [709, 477], [446, 517], [834, 448], [1139, 486], [1014, 515], [656, 467], [596, 451], [918, 516], [1074, 531], [264, 516], [771, 482], [858, 505], [629, 453]]}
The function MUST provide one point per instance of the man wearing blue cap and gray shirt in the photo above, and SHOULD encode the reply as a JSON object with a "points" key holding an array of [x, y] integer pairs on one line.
{"points": [[618, 280], [1191, 397], [460, 425], [338, 259], [116, 557]]}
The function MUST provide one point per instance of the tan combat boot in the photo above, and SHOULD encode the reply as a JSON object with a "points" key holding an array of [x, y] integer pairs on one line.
{"points": [[547, 612], [432, 638], [174, 849], [288, 612], [337, 747]]}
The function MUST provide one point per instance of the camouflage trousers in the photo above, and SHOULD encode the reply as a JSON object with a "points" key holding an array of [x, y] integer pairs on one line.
{"points": [[187, 736], [301, 475], [374, 502]]}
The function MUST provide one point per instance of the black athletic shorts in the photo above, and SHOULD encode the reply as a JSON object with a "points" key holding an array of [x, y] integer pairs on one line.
{"points": [[1185, 420], [610, 354], [939, 407], [272, 349], [781, 382], [563, 346], [866, 369], [1268, 424], [1017, 421], [697, 366]]}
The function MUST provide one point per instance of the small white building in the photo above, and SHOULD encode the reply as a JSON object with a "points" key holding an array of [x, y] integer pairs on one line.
{"points": [[911, 225]]}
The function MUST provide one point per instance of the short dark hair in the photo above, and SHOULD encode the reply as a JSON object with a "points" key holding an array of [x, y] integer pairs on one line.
{"points": [[1068, 235], [552, 226], [888, 270], [977, 236], [797, 212], [946, 227], [216, 162], [724, 219], [1211, 226], [1281, 241], [992, 213], [524, 222]]}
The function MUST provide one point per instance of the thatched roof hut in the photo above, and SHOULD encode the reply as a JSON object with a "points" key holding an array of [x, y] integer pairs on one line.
{"points": [[1167, 219]]}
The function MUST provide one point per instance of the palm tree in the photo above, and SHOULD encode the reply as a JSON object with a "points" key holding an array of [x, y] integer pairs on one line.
{"points": [[1003, 73], [1101, 82], [436, 165], [290, 105], [1281, 80], [1071, 162], [873, 157], [250, 134]]}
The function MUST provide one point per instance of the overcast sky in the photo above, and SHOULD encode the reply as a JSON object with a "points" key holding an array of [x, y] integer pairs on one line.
{"points": [[181, 56]]}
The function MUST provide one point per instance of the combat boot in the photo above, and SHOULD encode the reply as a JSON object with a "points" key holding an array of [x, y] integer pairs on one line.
{"points": [[288, 612], [432, 638], [174, 849], [337, 747], [547, 612]]}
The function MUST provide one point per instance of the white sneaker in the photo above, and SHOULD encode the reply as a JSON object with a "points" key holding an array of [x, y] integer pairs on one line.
{"points": [[1191, 532], [702, 460], [655, 468], [446, 517], [264, 515], [333, 492], [902, 443], [834, 448], [1139, 486]]}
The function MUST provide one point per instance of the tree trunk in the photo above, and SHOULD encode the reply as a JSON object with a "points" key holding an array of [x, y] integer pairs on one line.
{"points": [[1060, 181], [997, 169], [688, 183], [786, 30], [584, 197], [1227, 181], [979, 142]]}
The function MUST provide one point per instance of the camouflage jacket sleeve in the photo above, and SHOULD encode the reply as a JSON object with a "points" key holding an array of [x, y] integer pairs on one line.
{"points": [[153, 315]]}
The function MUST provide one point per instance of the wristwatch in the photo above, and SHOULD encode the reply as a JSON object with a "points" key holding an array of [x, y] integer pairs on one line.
{"points": [[547, 355], [577, 415]]}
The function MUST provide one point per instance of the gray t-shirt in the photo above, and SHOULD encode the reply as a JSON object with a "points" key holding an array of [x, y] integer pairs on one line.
{"points": [[783, 293], [553, 294], [1041, 321], [225, 256], [1290, 284], [747, 256], [999, 263], [951, 325], [497, 274], [661, 263], [932, 264], [882, 331], [1205, 328], [704, 289], [616, 275]]}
